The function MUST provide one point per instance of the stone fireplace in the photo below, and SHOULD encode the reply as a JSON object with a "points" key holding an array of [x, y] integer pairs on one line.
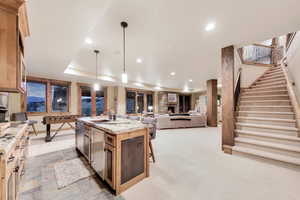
{"points": [[171, 108]]}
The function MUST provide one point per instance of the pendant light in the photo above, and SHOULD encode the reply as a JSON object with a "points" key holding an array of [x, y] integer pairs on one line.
{"points": [[124, 74], [96, 84]]}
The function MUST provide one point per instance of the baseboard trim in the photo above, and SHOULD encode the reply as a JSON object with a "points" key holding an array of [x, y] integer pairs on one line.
{"points": [[227, 149]]}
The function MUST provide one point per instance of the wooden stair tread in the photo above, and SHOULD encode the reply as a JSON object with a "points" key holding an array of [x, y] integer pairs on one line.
{"points": [[268, 155], [268, 144], [274, 70], [269, 135], [267, 126], [268, 119], [253, 106], [266, 88], [271, 83], [271, 80], [265, 112], [281, 76], [273, 73], [263, 101], [267, 95], [251, 92]]}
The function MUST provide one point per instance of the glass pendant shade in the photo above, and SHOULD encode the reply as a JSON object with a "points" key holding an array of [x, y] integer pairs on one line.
{"points": [[96, 86], [124, 78]]}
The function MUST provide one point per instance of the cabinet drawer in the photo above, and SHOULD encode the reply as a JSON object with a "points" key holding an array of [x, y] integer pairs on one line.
{"points": [[111, 140]]}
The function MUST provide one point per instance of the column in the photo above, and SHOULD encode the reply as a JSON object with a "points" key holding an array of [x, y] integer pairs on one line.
{"points": [[212, 107]]}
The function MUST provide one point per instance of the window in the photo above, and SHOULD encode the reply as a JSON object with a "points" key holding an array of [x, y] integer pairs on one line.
{"points": [[86, 101], [91, 102], [149, 102], [46, 96], [99, 102], [36, 97], [138, 101], [59, 98], [184, 103], [130, 102]]}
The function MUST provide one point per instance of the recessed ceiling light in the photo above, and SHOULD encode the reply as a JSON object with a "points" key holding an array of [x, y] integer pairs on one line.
{"points": [[139, 60], [172, 73], [139, 84], [210, 26], [186, 89], [190, 80], [157, 88], [88, 40]]}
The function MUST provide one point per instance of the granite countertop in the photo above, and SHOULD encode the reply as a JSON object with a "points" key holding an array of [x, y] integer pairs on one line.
{"points": [[10, 136], [114, 127]]}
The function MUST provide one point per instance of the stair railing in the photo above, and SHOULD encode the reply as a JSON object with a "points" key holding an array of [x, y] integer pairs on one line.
{"points": [[292, 91], [237, 89], [289, 39], [256, 54]]}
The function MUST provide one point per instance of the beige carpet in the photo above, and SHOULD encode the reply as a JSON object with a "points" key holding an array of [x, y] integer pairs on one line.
{"points": [[68, 172], [190, 165]]}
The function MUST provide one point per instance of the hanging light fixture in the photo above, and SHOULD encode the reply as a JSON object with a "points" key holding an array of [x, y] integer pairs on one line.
{"points": [[124, 74], [96, 84]]}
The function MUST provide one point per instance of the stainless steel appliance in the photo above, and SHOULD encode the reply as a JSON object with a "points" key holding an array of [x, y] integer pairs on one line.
{"points": [[98, 152], [83, 139], [87, 144], [79, 135], [3, 106]]}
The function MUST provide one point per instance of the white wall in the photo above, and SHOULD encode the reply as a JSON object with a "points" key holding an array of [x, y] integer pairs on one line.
{"points": [[249, 72], [293, 59], [121, 99]]}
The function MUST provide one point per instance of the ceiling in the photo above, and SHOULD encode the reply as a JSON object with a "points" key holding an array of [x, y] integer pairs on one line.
{"points": [[169, 36]]}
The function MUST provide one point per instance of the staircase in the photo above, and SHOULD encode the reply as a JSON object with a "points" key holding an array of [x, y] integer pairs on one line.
{"points": [[265, 121]]}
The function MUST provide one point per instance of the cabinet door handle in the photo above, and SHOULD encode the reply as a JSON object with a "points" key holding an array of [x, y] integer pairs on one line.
{"points": [[10, 159], [17, 169], [23, 172]]}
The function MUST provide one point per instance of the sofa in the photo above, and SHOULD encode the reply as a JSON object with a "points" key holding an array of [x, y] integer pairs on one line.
{"points": [[167, 121]]}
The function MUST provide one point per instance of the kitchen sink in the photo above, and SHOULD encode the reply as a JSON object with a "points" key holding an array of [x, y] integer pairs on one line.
{"points": [[116, 122], [97, 121]]}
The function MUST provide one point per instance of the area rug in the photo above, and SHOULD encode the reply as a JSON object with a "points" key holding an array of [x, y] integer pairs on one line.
{"points": [[70, 171]]}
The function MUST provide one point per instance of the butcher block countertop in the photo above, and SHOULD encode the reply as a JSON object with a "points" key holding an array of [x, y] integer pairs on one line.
{"points": [[10, 136], [116, 127]]}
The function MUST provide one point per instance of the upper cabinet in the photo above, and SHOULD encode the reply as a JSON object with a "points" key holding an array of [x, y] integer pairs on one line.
{"points": [[13, 30]]}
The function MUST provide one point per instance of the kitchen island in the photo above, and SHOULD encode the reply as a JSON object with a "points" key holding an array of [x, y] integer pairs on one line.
{"points": [[117, 150]]}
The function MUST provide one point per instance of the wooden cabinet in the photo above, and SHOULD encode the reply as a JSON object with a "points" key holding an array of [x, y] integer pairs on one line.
{"points": [[132, 158], [12, 166], [110, 165], [12, 65], [126, 159]]}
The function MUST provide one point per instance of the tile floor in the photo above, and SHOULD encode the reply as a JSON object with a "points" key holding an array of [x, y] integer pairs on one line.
{"points": [[190, 165], [39, 182]]}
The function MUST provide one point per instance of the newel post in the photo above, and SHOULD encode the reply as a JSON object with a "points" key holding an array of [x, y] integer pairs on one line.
{"points": [[227, 98]]}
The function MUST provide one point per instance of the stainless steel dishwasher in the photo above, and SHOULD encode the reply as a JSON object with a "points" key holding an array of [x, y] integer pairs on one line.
{"points": [[97, 151]]}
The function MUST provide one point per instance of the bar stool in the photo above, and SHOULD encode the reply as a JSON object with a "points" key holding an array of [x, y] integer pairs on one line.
{"points": [[152, 131], [22, 116]]}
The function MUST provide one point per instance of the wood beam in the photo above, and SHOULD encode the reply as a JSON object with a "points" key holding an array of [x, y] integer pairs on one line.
{"points": [[212, 107], [228, 96]]}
